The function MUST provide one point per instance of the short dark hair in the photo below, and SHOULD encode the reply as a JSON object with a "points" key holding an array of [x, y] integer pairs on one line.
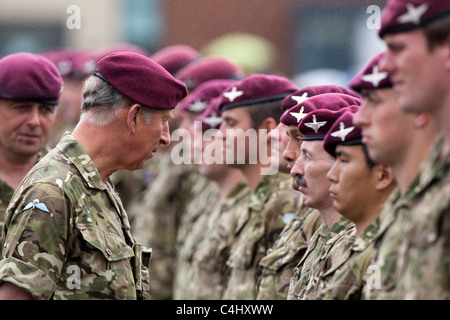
{"points": [[261, 111], [437, 31], [370, 163]]}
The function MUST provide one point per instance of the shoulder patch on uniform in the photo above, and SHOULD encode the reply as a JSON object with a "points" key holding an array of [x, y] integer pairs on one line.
{"points": [[36, 204]]}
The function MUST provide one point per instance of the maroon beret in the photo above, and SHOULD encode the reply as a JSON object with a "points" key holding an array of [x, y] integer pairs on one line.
{"points": [[175, 57], [342, 132], [301, 95], [62, 58], [316, 124], [199, 98], [208, 68], [211, 117], [330, 101], [404, 15], [141, 79], [72, 64], [28, 76], [256, 88], [370, 77]]}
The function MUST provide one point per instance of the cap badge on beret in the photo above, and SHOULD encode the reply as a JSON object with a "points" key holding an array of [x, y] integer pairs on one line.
{"points": [[375, 77], [213, 120], [315, 125], [342, 132], [198, 106], [299, 115], [414, 14], [301, 98], [233, 94]]}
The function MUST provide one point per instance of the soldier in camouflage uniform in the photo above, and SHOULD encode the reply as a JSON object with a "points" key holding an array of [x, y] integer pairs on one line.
{"points": [[415, 265], [220, 178], [208, 262], [210, 274], [411, 254], [335, 236], [66, 225], [160, 209], [131, 186], [360, 204], [28, 109], [293, 241], [254, 103]]}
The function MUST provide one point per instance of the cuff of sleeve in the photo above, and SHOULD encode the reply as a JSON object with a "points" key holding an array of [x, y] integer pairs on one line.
{"points": [[27, 277]]}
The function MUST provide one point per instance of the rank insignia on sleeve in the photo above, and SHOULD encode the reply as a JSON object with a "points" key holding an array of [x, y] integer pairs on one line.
{"points": [[36, 204]]}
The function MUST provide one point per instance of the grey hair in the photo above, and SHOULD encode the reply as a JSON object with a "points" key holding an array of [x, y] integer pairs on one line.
{"points": [[101, 103]]}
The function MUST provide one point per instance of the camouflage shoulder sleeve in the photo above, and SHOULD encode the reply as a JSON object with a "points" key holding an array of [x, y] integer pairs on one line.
{"points": [[35, 239]]}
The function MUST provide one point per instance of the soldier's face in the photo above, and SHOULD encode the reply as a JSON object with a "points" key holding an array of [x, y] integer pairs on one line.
{"points": [[279, 141], [353, 183], [150, 137], [25, 127], [385, 128], [236, 124], [309, 174], [420, 75], [292, 151]]}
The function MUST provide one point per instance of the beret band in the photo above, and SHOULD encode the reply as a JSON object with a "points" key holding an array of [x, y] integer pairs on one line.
{"points": [[253, 101], [28, 76]]}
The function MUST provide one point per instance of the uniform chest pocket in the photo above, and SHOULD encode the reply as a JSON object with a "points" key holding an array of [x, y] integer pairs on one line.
{"points": [[112, 246]]}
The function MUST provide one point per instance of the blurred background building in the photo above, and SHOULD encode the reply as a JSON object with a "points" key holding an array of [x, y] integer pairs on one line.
{"points": [[305, 40]]}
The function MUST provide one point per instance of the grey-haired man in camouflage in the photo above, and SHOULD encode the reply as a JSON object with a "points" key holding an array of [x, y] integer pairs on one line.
{"points": [[66, 233]]}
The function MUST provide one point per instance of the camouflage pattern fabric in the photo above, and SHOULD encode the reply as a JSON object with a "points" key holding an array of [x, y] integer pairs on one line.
{"points": [[193, 228], [380, 286], [326, 250], [286, 252], [209, 272], [66, 234], [344, 281], [6, 193], [257, 230], [157, 218], [421, 234]]}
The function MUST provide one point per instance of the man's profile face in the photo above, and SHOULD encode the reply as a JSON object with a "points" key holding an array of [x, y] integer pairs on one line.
{"points": [[25, 127], [150, 137], [294, 142], [309, 175], [386, 129], [352, 181], [235, 127], [416, 71]]}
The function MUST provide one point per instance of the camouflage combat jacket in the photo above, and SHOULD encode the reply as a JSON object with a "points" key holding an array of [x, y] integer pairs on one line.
{"points": [[324, 253], [345, 280], [209, 275], [413, 254], [257, 230], [157, 216], [6, 193], [66, 234], [286, 252], [193, 229]]}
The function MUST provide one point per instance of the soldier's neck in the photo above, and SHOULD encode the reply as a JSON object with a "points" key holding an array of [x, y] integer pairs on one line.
{"points": [[12, 171]]}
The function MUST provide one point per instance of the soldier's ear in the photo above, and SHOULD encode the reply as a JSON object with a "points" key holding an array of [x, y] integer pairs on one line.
{"points": [[385, 177], [132, 118]]}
